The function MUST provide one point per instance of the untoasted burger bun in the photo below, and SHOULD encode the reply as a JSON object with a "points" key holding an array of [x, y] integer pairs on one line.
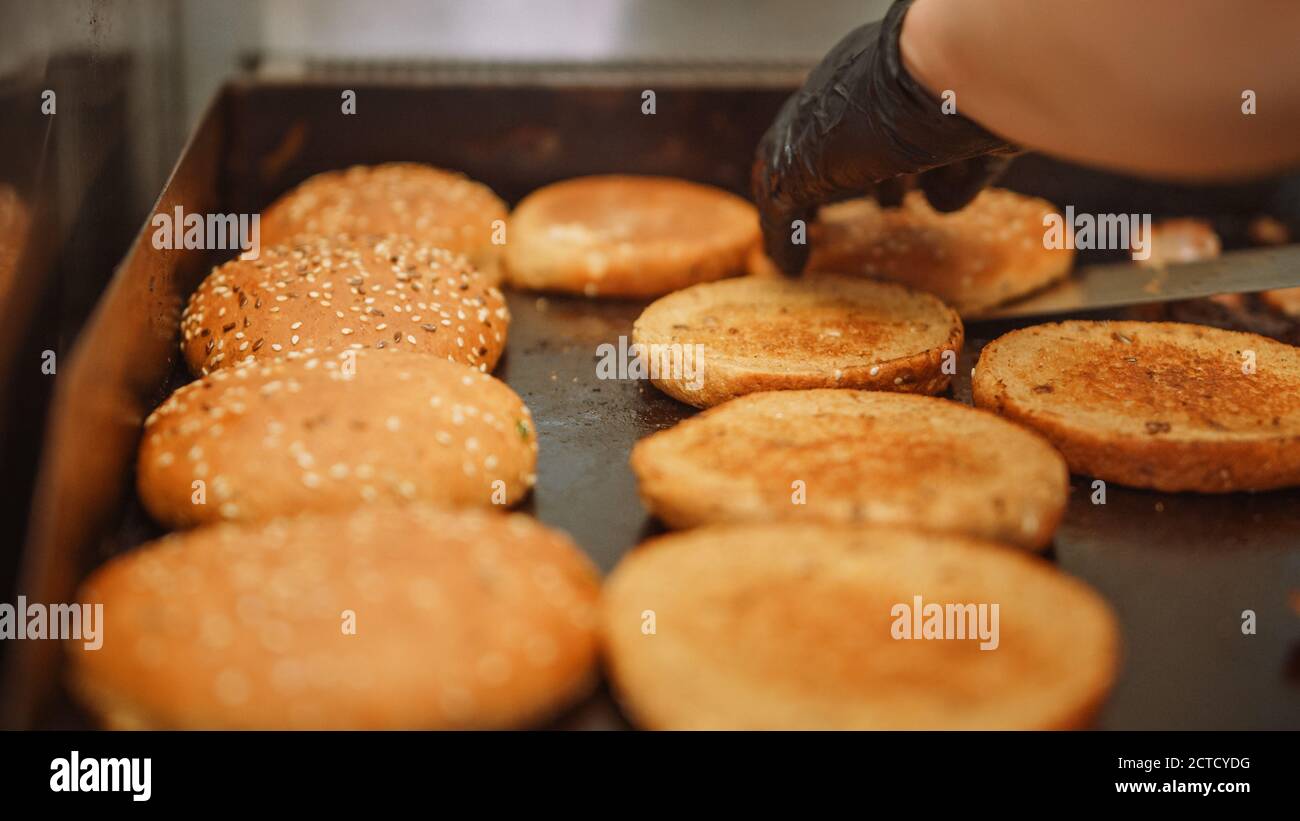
{"points": [[340, 292], [762, 334], [1159, 405], [792, 626], [988, 253], [435, 207], [274, 438], [625, 236], [384, 618], [855, 456]]}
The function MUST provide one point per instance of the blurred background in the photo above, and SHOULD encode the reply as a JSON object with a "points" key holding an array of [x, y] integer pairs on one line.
{"points": [[172, 55]]}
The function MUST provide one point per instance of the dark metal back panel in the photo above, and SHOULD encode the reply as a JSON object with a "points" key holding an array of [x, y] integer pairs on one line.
{"points": [[1178, 569]]}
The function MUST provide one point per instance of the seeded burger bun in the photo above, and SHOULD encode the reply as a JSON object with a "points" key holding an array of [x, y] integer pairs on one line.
{"points": [[382, 292], [855, 456], [432, 206], [625, 236], [762, 334], [1160, 405], [797, 626], [331, 432], [384, 618], [988, 253]]}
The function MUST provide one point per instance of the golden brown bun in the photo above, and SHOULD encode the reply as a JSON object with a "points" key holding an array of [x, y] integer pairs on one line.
{"points": [[1159, 405], [791, 626], [274, 438], [341, 292], [988, 253], [462, 620], [861, 456], [1184, 239], [1268, 230], [625, 236], [445, 209], [764, 334], [1285, 301]]}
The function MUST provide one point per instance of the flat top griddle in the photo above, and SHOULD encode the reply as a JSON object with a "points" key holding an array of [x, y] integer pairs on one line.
{"points": [[1178, 569]]}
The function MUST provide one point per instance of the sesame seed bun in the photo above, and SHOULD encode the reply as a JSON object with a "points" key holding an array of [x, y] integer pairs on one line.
{"points": [[626, 236], [458, 620], [762, 334], [860, 456], [988, 253], [1160, 405], [792, 626], [386, 292], [274, 438], [435, 207]]}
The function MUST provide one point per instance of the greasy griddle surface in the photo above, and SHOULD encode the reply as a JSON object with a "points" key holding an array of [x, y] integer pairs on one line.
{"points": [[1178, 569]]}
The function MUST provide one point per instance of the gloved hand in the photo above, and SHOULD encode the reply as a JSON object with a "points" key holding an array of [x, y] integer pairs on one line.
{"points": [[858, 126]]}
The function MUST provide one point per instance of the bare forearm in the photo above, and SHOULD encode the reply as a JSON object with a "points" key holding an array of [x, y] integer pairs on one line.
{"points": [[1152, 87]]}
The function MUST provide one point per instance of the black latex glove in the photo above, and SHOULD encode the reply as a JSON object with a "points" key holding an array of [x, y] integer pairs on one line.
{"points": [[858, 126]]}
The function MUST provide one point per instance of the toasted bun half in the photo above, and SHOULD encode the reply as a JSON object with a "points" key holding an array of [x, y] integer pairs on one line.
{"points": [[382, 618], [327, 433], [855, 456], [720, 340], [809, 626], [627, 236], [990, 252], [1160, 405], [445, 209], [328, 293]]}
